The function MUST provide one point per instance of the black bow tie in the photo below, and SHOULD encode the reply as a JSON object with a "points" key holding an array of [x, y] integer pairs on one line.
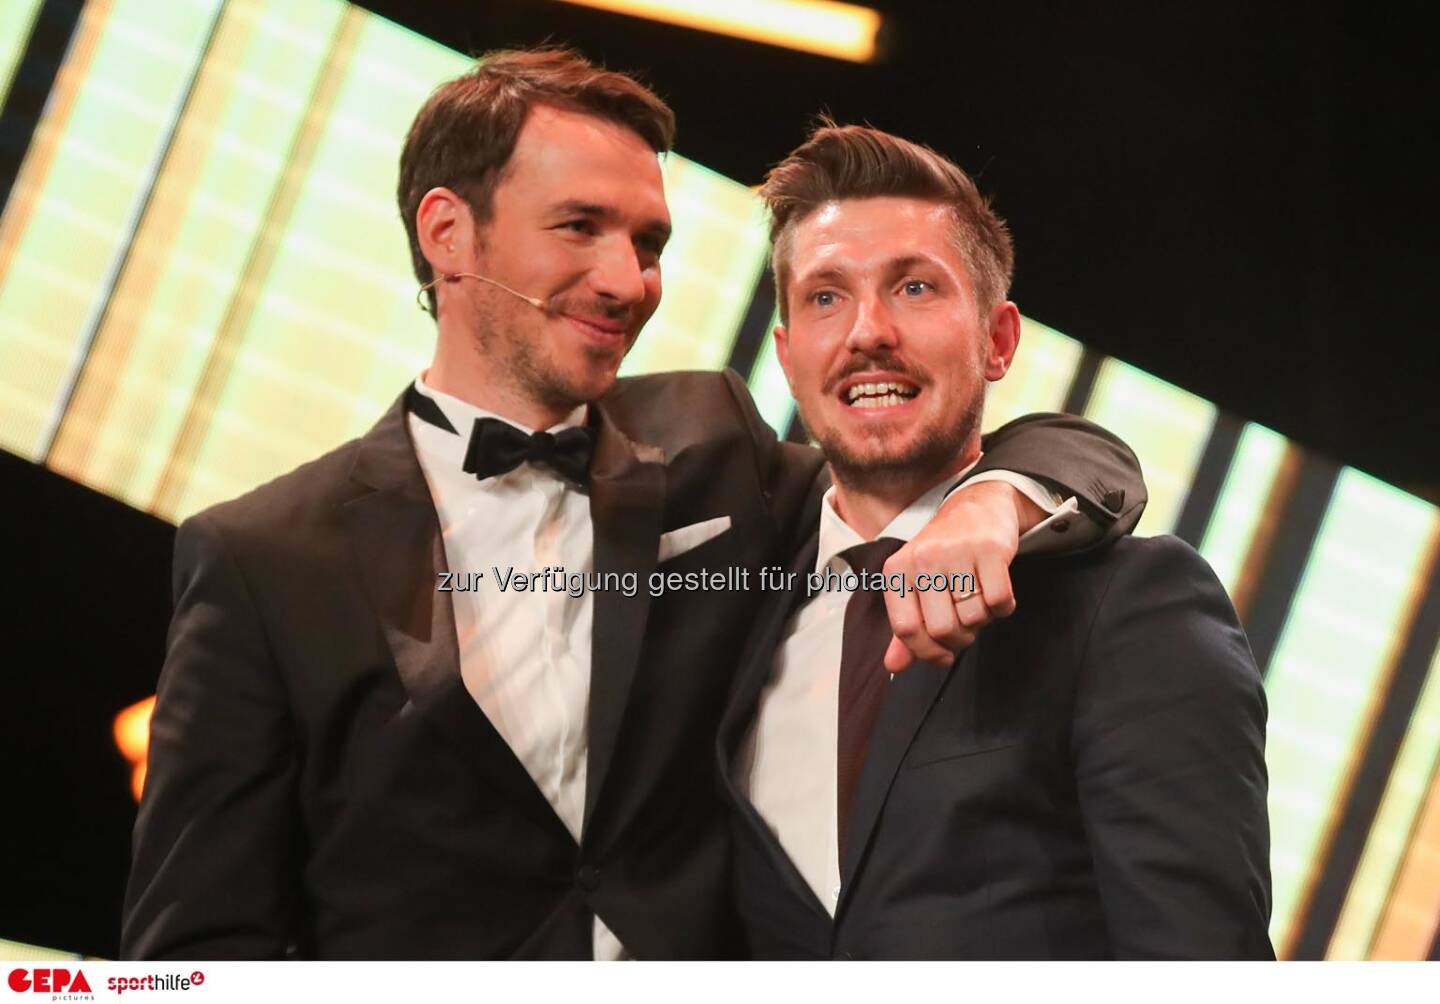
{"points": [[498, 447]]}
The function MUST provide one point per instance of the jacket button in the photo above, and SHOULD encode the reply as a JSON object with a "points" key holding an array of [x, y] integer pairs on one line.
{"points": [[1060, 525], [588, 876], [1114, 500]]}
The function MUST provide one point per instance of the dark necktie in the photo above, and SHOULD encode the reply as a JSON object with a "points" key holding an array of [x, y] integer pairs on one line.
{"points": [[498, 447], [862, 675]]}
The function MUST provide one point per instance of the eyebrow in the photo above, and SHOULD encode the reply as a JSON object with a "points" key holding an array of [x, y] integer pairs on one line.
{"points": [[594, 210], [907, 262], [833, 274], [823, 275]]}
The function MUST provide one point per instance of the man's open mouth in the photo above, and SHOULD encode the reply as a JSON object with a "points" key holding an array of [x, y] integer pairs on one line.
{"points": [[879, 393]]}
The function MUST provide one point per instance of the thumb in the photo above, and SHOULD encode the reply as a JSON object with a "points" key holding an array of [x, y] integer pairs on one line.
{"points": [[897, 656]]}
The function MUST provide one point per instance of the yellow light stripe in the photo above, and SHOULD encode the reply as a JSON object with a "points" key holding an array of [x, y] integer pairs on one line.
{"points": [[838, 30], [1394, 825], [1330, 670], [1257, 555], [1365, 734], [91, 406], [226, 344], [29, 180], [1413, 912], [35, 369]]}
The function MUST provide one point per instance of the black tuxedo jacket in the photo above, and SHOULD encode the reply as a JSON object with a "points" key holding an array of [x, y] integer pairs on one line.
{"points": [[1087, 781], [321, 783]]}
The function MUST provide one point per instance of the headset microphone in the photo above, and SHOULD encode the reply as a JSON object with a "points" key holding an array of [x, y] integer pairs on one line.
{"points": [[452, 276]]}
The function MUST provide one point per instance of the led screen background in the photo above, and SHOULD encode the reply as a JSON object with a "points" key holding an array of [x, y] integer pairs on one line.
{"points": [[203, 283]]}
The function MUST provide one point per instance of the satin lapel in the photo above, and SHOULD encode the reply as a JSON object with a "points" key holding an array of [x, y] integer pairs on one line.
{"points": [[395, 537], [756, 667], [627, 504], [909, 699]]}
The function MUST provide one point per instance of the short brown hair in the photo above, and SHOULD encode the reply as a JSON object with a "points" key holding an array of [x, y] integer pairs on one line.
{"points": [[465, 134], [857, 162]]}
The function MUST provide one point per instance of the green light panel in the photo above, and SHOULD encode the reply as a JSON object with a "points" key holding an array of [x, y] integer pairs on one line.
{"points": [[74, 203], [17, 17], [710, 269], [1347, 613], [1165, 426], [1242, 502], [1040, 378], [768, 385]]}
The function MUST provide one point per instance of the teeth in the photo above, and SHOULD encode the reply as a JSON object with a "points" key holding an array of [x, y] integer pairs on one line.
{"points": [[879, 395]]}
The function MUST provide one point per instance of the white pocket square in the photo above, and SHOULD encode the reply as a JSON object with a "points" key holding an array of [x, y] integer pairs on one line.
{"points": [[676, 542]]}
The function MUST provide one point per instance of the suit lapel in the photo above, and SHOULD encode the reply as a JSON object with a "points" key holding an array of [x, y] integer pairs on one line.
{"points": [[627, 504], [756, 667], [395, 537], [908, 701]]}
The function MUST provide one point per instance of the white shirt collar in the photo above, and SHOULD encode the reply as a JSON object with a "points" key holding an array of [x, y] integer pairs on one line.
{"points": [[836, 535], [445, 451], [462, 414]]}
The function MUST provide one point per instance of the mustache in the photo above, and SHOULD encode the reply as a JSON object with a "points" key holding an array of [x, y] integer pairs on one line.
{"points": [[867, 361], [592, 308]]}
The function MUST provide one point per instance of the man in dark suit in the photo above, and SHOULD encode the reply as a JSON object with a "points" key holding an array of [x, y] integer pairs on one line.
{"points": [[368, 740], [1088, 779]]}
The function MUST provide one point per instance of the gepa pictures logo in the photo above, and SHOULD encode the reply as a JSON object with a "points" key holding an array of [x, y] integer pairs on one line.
{"points": [[49, 981]]}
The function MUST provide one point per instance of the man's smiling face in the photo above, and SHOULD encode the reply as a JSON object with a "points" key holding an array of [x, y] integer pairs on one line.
{"points": [[578, 221], [886, 349]]}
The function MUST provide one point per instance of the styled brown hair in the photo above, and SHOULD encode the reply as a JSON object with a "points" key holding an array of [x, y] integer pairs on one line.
{"points": [[464, 135], [858, 162]]}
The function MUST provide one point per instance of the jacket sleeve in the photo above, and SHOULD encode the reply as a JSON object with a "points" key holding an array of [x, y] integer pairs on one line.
{"points": [[213, 873], [1169, 753], [1072, 457]]}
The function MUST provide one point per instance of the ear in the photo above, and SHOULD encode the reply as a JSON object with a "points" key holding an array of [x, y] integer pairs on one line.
{"points": [[446, 230], [782, 352], [1004, 339]]}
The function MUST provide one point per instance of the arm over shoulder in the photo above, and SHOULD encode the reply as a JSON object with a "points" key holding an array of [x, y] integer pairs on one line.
{"points": [[1072, 457]]}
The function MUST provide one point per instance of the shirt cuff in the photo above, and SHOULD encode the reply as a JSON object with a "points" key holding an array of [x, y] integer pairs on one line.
{"points": [[1065, 528]]}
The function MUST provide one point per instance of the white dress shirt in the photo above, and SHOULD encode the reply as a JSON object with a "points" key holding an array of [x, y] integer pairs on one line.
{"points": [[787, 764], [524, 656]]}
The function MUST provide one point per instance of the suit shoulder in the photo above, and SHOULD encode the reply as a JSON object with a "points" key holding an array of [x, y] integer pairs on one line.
{"points": [[1161, 556], [1125, 582], [1161, 593], [1127, 557], [683, 389], [682, 409]]}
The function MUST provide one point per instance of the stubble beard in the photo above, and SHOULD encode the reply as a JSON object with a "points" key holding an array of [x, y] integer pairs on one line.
{"points": [[510, 333], [871, 469]]}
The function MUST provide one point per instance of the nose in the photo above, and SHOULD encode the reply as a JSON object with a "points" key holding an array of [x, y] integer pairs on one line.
{"points": [[874, 327], [617, 274]]}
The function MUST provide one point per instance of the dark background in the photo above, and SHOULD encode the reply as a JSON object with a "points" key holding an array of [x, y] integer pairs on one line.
{"points": [[1232, 196]]}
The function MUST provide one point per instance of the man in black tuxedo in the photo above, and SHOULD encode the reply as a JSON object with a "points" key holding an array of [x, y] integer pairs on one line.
{"points": [[364, 745], [1088, 779]]}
